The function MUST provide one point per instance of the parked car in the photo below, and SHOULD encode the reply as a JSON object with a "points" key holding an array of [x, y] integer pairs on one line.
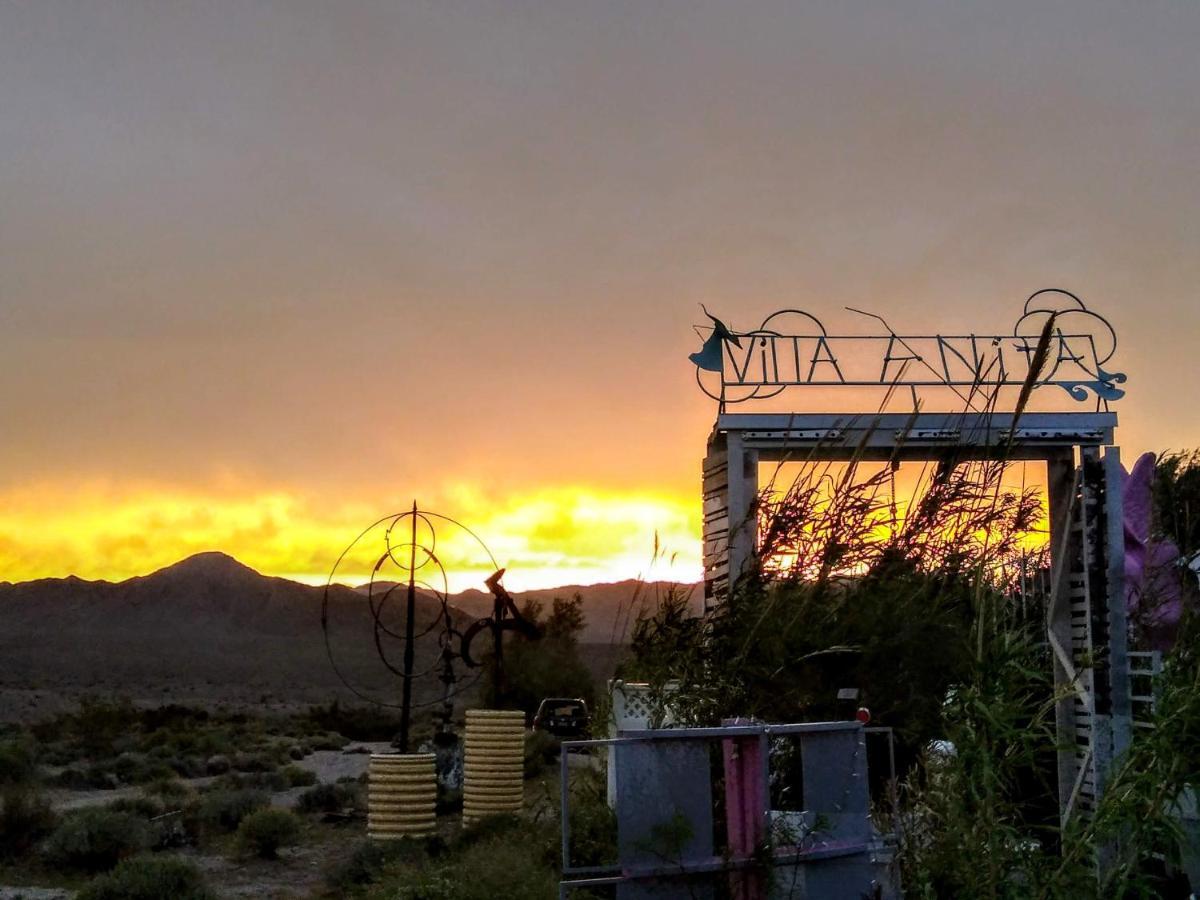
{"points": [[563, 717]]}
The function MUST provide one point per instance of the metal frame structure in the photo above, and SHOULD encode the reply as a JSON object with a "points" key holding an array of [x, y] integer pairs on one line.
{"points": [[1086, 624], [1056, 342]]}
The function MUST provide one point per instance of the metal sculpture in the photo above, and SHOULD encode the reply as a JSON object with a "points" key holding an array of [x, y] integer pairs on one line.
{"points": [[406, 547]]}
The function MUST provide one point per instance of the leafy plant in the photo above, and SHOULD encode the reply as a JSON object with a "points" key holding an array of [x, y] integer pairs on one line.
{"points": [[18, 760], [328, 798], [223, 810], [95, 839], [149, 878], [25, 818], [504, 858], [265, 831]]}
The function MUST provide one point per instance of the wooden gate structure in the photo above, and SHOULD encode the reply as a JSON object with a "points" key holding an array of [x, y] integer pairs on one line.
{"points": [[1086, 624]]}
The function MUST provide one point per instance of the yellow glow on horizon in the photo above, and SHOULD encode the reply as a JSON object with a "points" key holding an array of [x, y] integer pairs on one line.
{"points": [[546, 538]]}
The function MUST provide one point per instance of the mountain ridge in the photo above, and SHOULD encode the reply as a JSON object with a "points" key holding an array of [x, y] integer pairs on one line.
{"points": [[208, 625]]}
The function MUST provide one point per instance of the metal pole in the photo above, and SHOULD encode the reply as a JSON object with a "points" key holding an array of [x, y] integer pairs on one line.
{"points": [[498, 688], [409, 626]]}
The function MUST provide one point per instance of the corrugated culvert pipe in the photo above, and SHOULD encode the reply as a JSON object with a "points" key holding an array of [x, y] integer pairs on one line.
{"points": [[401, 795], [493, 763]]}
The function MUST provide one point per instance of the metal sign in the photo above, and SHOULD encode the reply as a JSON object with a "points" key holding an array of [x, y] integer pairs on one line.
{"points": [[792, 349]]}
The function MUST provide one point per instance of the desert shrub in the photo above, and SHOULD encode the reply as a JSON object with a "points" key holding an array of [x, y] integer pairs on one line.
{"points": [[85, 778], [329, 740], [265, 831], [95, 839], [57, 754], [25, 818], [217, 764], [298, 777], [173, 717], [149, 878], [328, 798], [146, 807], [272, 781], [541, 749], [18, 760], [503, 857], [171, 791], [127, 766], [100, 722], [183, 766], [223, 810], [358, 723], [254, 762], [593, 823], [369, 861]]}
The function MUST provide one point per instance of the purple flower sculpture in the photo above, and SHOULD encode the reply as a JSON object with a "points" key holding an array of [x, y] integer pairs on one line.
{"points": [[1153, 587]]}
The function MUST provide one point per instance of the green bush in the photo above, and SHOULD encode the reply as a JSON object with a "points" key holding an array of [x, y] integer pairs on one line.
{"points": [[146, 807], [369, 861], [272, 782], [225, 810], [25, 818], [593, 823], [541, 749], [127, 767], [330, 740], [95, 839], [171, 791], [149, 878], [254, 762], [328, 798], [298, 777], [265, 831], [18, 761], [359, 723], [506, 859], [76, 778]]}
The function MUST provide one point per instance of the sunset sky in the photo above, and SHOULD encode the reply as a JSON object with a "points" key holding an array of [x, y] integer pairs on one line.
{"points": [[271, 270]]}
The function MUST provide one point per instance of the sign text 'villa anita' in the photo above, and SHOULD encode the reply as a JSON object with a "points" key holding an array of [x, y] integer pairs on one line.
{"points": [[791, 348]]}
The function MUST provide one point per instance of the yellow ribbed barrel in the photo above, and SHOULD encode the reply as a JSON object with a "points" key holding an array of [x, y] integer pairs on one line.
{"points": [[401, 795], [493, 763]]}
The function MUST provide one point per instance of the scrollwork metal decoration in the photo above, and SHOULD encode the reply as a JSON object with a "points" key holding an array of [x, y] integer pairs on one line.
{"points": [[792, 348]]}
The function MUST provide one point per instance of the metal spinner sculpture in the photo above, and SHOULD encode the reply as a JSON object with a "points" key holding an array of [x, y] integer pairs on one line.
{"points": [[406, 562]]}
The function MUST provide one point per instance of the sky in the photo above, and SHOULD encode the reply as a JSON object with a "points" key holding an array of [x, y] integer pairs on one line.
{"points": [[269, 271]]}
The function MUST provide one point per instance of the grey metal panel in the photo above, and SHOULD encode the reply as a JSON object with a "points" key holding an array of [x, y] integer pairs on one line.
{"points": [[661, 784], [835, 783]]}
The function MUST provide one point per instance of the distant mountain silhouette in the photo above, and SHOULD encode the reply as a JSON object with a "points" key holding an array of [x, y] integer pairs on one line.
{"points": [[209, 627]]}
